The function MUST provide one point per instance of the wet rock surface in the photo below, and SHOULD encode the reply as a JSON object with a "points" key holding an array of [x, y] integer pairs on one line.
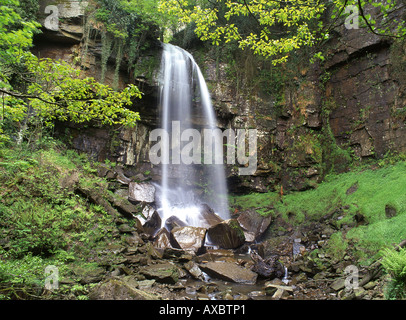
{"points": [[189, 238], [229, 271], [152, 260], [253, 224], [228, 234], [141, 192]]}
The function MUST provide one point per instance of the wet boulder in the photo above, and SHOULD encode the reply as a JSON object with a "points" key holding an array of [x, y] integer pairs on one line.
{"points": [[269, 267], [194, 270], [141, 192], [174, 222], [188, 238], [253, 224], [152, 224], [162, 239], [227, 234], [208, 218], [146, 214], [229, 271]]}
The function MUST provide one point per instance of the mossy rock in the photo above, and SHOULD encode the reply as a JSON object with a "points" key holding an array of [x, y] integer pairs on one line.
{"points": [[162, 272], [116, 289], [227, 234], [88, 274]]}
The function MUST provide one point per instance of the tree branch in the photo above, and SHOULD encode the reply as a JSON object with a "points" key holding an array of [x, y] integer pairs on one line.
{"points": [[251, 14], [361, 10], [27, 96]]}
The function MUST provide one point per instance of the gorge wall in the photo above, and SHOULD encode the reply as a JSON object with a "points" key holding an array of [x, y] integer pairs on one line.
{"points": [[350, 106]]}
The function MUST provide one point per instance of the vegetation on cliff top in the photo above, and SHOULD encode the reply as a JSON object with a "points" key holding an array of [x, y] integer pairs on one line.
{"points": [[274, 29], [35, 92]]}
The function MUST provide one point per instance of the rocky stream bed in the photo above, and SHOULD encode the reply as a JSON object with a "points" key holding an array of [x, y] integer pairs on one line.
{"points": [[245, 259]]}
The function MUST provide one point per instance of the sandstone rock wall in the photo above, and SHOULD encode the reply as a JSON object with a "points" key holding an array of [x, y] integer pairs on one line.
{"points": [[352, 102], [354, 99], [126, 146]]}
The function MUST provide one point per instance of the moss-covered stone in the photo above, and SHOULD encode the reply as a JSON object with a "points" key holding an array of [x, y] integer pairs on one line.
{"points": [[227, 235]]}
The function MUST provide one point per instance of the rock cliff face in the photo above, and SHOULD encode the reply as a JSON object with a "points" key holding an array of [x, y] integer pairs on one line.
{"points": [[126, 146], [351, 105], [366, 90]]}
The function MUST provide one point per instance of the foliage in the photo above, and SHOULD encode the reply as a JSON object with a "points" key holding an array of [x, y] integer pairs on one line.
{"points": [[124, 27], [337, 246], [294, 19], [38, 215], [16, 275], [363, 210], [56, 91], [42, 220], [394, 262], [15, 37], [277, 27], [335, 158], [60, 93], [378, 23]]}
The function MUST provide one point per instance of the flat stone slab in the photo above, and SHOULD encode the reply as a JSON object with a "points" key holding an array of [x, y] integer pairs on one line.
{"points": [[163, 272], [229, 271]]}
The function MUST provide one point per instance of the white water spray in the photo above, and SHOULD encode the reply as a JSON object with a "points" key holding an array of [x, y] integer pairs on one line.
{"points": [[185, 100]]}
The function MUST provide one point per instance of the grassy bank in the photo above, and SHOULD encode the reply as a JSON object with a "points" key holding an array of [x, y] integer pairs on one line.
{"points": [[43, 221], [368, 203]]}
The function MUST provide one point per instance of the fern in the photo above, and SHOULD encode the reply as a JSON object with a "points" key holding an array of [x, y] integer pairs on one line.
{"points": [[395, 263]]}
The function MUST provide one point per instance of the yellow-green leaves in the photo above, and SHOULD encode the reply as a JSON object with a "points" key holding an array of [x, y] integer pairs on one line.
{"points": [[289, 18], [278, 26], [56, 91], [15, 36]]}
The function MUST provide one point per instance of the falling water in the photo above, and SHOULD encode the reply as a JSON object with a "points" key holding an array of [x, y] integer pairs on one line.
{"points": [[185, 104]]}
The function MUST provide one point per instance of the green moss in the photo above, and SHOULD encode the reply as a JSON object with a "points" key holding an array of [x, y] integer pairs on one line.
{"points": [[236, 226], [336, 247], [360, 194], [43, 220]]}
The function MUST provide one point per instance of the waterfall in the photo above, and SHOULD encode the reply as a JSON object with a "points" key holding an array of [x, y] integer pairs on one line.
{"points": [[186, 108]]}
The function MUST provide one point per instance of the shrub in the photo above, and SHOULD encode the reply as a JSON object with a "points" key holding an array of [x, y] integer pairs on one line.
{"points": [[394, 263]]}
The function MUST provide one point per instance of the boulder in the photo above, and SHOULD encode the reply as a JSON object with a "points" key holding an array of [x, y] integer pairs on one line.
{"points": [[147, 212], [152, 224], [227, 234], [216, 255], [194, 270], [162, 272], [176, 255], [208, 218], [86, 275], [174, 222], [229, 271], [269, 267], [188, 238], [162, 239], [115, 289], [141, 192], [253, 224], [276, 290], [125, 228]]}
